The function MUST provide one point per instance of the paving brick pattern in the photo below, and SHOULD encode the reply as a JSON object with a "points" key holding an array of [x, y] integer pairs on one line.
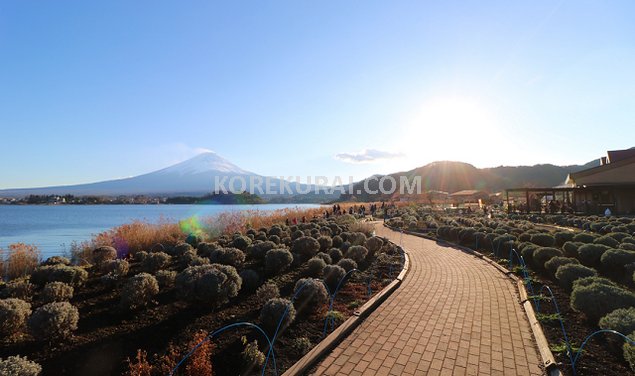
{"points": [[454, 314]]}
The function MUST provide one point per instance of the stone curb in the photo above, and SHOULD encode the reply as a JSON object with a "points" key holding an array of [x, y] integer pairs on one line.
{"points": [[332, 340], [548, 360]]}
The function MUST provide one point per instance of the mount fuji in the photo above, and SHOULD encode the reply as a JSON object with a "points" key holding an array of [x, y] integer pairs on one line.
{"points": [[193, 177]]}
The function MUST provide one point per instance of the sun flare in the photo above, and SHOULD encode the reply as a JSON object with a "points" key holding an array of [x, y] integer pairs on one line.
{"points": [[451, 128]]}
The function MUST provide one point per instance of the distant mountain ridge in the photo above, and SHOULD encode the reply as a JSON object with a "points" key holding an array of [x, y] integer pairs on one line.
{"points": [[196, 176], [449, 176]]}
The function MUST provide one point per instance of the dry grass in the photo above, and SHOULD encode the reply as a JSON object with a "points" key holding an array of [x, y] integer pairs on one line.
{"points": [[231, 222], [20, 260], [129, 239], [200, 362], [140, 366]]}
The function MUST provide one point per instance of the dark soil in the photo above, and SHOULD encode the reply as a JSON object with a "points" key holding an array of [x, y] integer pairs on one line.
{"points": [[107, 337]]}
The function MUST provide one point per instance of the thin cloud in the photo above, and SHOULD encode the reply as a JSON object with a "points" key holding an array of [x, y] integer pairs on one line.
{"points": [[367, 156]]}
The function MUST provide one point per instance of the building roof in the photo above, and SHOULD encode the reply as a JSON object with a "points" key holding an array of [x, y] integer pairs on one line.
{"points": [[468, 192], [618, 155], [618, 170]]}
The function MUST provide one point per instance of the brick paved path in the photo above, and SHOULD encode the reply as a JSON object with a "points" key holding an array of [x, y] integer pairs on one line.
{"points": [[454, 314]]}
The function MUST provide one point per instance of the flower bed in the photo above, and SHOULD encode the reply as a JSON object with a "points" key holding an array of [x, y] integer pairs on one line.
{"points": [[153, 309]]}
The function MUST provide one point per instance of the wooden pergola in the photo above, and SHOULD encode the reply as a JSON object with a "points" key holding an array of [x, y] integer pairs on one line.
{"points": [[566, 194]]}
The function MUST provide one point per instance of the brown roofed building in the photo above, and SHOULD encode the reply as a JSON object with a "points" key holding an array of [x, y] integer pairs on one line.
{"points": [[610, 185]]}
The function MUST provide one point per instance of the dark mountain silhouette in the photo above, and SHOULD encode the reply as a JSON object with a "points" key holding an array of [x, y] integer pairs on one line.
{"points": [[452, 177]]}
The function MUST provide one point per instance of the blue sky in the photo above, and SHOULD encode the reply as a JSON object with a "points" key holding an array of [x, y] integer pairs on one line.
{"points": [[97, 90]]}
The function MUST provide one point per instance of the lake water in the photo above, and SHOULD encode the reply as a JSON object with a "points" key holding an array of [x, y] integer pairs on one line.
{"points": [[52, 228]]}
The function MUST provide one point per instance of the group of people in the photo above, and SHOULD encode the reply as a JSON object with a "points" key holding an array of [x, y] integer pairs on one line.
{"points": [[361, 210], [355, 209]]}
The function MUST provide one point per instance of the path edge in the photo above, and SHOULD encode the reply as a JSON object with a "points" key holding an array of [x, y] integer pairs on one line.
{"points": [[332, 340], [548, 360]]}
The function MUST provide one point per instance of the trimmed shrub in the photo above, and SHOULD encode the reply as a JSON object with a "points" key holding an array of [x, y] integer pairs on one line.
{"points": [[356, 238], [325, 243], [13, 315], [190, 258], [586, 281], [165, 278], [335, 254], [118, 268], [72, 275], [251, 355], [528, 253], [108, 281], [345, 246], [53, 321], [629, 351], [275, 230], [562, 237], [607, 241], [621, 320], [630, 240], [337, 241], [543, 240], [374, 244], [57, 292], [311, 295], [544, 254], [619, 236], [266, 292], [277, 261], [19, 366], [228, 256], [347, 264], [554, 263], [591, 254], [18, 289], [179, 249], [614, 260], [54, 260], [357, 253], [257, 251], [251, 280], [103, 254], [205, 249], [140, 256], [214, 284], [302, 345], [501, 243], [332, 276], [315, 266], [306, 247], [138, 291], [326, 258], [570, 249], [154, 262], [584, 237], [272, 312], [597, 300], [241, 242], [627, 246], [296, 234], [568, 273]]}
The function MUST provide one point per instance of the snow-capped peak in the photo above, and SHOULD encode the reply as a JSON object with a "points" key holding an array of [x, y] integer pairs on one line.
{"points": [[204, 162]]}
